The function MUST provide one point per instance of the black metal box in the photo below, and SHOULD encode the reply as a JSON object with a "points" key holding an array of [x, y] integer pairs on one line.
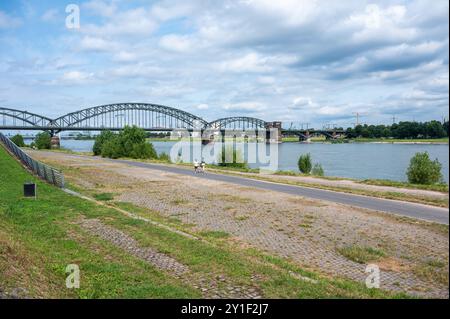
{"points": [[29, 190]]}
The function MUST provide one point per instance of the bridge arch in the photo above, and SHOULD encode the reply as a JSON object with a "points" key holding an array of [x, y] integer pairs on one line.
{"points": [[235, 122], [25, 117], [144, 115]]}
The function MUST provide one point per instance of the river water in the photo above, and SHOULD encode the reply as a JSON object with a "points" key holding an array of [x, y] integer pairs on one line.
{"points": [[352, 160]]}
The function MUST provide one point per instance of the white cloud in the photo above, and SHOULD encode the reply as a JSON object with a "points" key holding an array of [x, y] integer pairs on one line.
{"points": [[76, 77], [133, 22], [173, 42], [125, 56], [89, 43], [202, 106], [50, 15], [245, 107], [7, 21], [101, 8], [302, 103]]}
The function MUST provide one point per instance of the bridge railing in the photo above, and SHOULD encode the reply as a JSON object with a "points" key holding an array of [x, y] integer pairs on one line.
{"points": [[51, 175]]}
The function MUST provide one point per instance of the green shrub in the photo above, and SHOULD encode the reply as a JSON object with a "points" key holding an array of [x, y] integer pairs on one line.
{"points": [[131, 142], [18, 140], [318, 170], [143, 150], [422, 170], [164, 157], [305, 163], [111, 148], [100, 140], [43, 141], [235, 160]]}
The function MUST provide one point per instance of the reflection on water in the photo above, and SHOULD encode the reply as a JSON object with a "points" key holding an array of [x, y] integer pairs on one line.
{"points": [[353, 160]]}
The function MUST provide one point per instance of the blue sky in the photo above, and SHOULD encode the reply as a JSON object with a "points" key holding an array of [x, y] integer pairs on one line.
{"points": [[314, 62]]}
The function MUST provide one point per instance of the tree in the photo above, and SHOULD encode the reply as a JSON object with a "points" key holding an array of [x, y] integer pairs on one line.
{"points": [[18, 140], [422, 170], [43, 140], [305, 163], [434, 129], [445, 127], [131, 142], [100, 140]]}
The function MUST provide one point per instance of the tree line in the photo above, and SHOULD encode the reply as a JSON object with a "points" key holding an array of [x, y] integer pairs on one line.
{"points": [[402, 130]]}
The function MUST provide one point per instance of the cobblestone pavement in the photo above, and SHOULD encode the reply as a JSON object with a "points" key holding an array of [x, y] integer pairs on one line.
{"points": [[219, 287], [310, 232]]}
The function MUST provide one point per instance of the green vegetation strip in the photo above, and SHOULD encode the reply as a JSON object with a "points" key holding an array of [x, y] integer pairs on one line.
{"points": [[440, 202], [39, 238]]}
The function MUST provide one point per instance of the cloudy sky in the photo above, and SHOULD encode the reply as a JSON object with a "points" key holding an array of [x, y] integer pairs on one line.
{"points": [[305, 61]]}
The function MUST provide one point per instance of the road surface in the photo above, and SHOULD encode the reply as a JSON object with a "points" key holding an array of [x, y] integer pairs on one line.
{"points": [[419, 211]]}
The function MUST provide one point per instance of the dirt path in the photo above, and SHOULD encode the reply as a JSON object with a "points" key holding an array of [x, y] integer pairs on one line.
{"points": [[310, 232]]}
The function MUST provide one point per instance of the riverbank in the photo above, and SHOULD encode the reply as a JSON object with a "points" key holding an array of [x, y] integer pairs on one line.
{"points": [[125, 251], [321, 236], [436, 195], [322, 139], [402, 141]]}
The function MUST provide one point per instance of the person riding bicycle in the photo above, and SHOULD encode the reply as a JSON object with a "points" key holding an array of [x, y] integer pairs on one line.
{"points": [[196, 165], [202, 165]]}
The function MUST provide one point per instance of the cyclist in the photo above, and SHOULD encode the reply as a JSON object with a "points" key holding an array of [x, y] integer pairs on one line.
{"points": [[196, 166]]}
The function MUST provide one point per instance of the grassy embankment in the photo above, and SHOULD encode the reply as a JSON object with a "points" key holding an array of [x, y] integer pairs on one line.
{"points": [[38, 238]]}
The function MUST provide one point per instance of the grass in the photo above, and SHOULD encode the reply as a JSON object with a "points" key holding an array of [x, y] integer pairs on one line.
{"points": [[384, 182], [360, 254], [104, 196], [398, 140], [422, 199], [433, 270], [38, 238], [215, 234]]}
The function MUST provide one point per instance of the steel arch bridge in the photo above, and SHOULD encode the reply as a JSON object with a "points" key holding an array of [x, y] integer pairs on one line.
{"points": [[106, 117], [150, 117], [22, 117], [237, 122], [144, 115]]}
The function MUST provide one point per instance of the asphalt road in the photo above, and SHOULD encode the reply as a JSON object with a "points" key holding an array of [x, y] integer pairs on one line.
{"points": [[419, 211]]}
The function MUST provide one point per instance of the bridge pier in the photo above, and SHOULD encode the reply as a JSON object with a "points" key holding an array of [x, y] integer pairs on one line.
{"points": [[55, 142], [277, 137]]}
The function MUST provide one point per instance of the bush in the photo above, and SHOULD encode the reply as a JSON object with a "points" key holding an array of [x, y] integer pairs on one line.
{"points": [[422, 170], [305, 163], [225, 159], [143, 150], [111, 148], [318, 170], [100, 140], [164, 157], [18, 140], [43, 141], [130, 142]]}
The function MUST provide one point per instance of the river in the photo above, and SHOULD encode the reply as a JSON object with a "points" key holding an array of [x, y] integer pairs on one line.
{"points": [[352, 160]]}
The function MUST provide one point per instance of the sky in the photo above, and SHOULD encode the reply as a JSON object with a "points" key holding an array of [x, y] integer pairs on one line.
{"points": [[316, 62]]}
